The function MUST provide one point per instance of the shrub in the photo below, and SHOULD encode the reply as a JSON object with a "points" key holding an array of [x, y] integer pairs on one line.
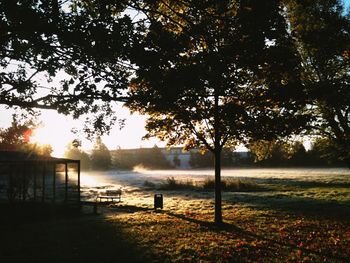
{"points": [[172, 184], [209, 183], [231, 184], [149, 184]]}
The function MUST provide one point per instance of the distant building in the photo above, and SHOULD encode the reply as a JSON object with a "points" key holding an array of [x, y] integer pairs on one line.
{"points": [[177, 157]]}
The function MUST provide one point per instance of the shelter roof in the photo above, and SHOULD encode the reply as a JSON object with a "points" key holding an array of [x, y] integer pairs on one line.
{"points": [[19, 156]]}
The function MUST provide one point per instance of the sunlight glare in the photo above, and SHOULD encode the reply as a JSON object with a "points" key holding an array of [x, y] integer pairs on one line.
{"points": [[54, 137]]}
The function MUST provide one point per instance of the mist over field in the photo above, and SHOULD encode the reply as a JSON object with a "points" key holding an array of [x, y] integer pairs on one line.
{"points": [[139, 185]]}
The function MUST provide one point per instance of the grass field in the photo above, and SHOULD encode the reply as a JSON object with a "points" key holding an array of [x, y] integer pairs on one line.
{"points": [[297, 217]]}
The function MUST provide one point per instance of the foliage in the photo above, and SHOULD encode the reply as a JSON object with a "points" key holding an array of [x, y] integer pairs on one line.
{"points": [[275, 149], [149, 184], [70, 56], [229, 158], [17, 137], [198, 159], [172, 184], [323, 152], [322, 31], [74, 152], [149, 158], [100, 156], [177, 161], [232, 184], [211, 75], [281, 153], [182, 107]]}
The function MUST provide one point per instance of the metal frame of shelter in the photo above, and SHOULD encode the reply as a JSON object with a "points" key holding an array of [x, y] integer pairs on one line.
{"points": [[21, 167]]}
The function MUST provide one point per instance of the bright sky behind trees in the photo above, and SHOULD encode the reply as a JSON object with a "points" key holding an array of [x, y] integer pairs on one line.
{"points": [[56, 129]]}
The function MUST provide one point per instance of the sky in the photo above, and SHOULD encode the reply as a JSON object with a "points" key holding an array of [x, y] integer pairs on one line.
{"points": [[56, 129]]}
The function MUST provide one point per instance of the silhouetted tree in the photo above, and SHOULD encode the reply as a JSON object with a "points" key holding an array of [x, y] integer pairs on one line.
{"points": [[176, 160], [70, 56], [212, 73], [270, 153], [298, 155], [100, 156], [323, 152], [17, 137], [152, 158], [75, 152], [322, 31], [201, 159]]}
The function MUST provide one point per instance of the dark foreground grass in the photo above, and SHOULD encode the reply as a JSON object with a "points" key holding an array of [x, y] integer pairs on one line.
{"points": [[67, 238], [130, 234]]}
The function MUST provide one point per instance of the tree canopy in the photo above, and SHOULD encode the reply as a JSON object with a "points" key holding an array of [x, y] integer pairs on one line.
{"points": [[100, 156], [74, 151], [217, 73], [70, 56], [321, 30], [17, 137]]}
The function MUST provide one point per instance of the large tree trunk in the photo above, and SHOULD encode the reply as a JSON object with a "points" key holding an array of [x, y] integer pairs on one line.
{"points": [[218, 209], [217, 158]]}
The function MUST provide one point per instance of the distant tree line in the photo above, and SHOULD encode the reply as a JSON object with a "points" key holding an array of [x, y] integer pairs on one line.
{"points": [[273, 154], [151, 158], [99, 159]]}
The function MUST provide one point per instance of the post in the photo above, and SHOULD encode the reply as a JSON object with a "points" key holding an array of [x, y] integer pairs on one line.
{"points": [[43, 184], [23, 168], [66, 183], [35, 171], [78, 181], [54, 183]]}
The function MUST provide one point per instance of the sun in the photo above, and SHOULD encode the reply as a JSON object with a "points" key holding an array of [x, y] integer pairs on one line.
{"points": [[57, 139]]}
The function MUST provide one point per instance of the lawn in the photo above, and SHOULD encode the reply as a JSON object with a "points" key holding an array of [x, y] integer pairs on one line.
{"points": [[277, 220]]}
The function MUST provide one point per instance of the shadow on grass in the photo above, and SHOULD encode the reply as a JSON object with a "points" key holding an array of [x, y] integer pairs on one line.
{"points": [[300, 183], [62, 237], [298, 205], [248, 235]]}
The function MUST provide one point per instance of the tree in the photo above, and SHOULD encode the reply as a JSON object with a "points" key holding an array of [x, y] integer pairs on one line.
{"points": [[75, 152], [201, 160], [177, 160], [270, 153], [213, 73], [100, 156], [321, 29], [70, 56], [152, 158], [17, 137], [324, 152], [279, 153]]}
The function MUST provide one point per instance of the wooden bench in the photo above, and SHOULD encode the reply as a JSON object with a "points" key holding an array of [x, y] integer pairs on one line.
{"points": [[111, 195]]}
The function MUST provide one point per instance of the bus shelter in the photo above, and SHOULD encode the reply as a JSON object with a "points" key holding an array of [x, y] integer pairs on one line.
{"points": [[28, 177]]}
